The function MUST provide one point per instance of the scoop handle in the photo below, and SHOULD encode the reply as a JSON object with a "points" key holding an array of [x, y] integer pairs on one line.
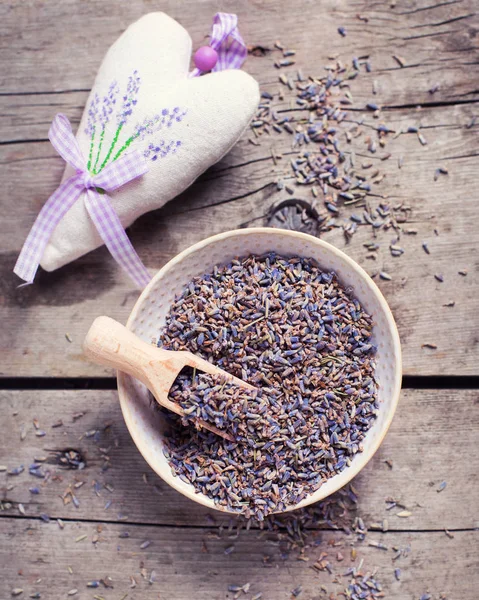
{"points": [[111, 344]]}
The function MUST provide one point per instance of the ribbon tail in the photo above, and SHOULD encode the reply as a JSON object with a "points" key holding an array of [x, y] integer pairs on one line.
{"points": [[50, 215], [114, 236]]}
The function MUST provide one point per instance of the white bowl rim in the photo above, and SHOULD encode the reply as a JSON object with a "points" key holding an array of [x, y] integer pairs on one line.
{"points": [[364, 457]]}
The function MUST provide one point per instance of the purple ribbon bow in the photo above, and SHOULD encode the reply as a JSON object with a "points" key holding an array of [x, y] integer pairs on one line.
{"points": [[98, 204], [226, 39]]}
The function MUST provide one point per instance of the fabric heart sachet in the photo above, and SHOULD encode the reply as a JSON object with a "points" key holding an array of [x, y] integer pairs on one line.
{"points": [[149, 129]]}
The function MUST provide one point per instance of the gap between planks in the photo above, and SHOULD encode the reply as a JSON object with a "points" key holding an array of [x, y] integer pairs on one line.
{"points": [[351, 109], [215, 526], [426, 382]]}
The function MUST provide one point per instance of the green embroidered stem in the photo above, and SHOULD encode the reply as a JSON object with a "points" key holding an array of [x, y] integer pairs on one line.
{"points": [[91, 148], [133, 137], [124, 147], [113, 144], [102, 136]]}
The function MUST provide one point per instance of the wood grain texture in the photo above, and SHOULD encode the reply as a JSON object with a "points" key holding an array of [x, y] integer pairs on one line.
{"points": [[423, 445], [239, 191], [51, 54], [191, 563], [60, 46]]}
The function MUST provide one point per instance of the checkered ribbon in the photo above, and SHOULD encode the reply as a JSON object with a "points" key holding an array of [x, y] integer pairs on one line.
{"points": [[98, 204], [227, 41]]}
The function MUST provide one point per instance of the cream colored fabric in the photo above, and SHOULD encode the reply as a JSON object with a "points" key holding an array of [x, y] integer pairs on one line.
{"points": [[212, 112]]}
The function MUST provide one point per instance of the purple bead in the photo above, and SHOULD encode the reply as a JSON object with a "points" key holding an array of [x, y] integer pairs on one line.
{"points": [[205, 58]]}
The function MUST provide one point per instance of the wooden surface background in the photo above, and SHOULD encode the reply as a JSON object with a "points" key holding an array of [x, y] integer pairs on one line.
{"points": [[50, 54]]}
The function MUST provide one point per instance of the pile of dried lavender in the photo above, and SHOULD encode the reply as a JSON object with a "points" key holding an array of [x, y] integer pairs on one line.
{"points": [[290, 329], [326, 156], [224, 404]]}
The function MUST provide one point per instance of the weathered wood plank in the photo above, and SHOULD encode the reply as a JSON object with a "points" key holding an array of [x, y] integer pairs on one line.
{"points": [[68, 300], [68, 41], [191, 563], [27, 117], [421, 445]]}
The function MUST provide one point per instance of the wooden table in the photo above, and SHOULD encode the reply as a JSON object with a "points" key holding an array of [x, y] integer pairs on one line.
{"points": [[51, 51]]}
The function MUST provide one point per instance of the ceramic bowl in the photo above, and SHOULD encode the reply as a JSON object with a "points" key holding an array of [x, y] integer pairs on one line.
{"points": [[147, 318]]}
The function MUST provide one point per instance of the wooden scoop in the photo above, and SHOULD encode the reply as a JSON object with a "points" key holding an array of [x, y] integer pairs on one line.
{"points": [[111, 344]]}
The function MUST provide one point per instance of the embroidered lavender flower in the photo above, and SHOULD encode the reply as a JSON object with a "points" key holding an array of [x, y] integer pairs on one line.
{"points": [[152, 125], [162, 149], [108, 103], [99, 114], [130, 98], [148, 126], [92, 115], [177, 114]]}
